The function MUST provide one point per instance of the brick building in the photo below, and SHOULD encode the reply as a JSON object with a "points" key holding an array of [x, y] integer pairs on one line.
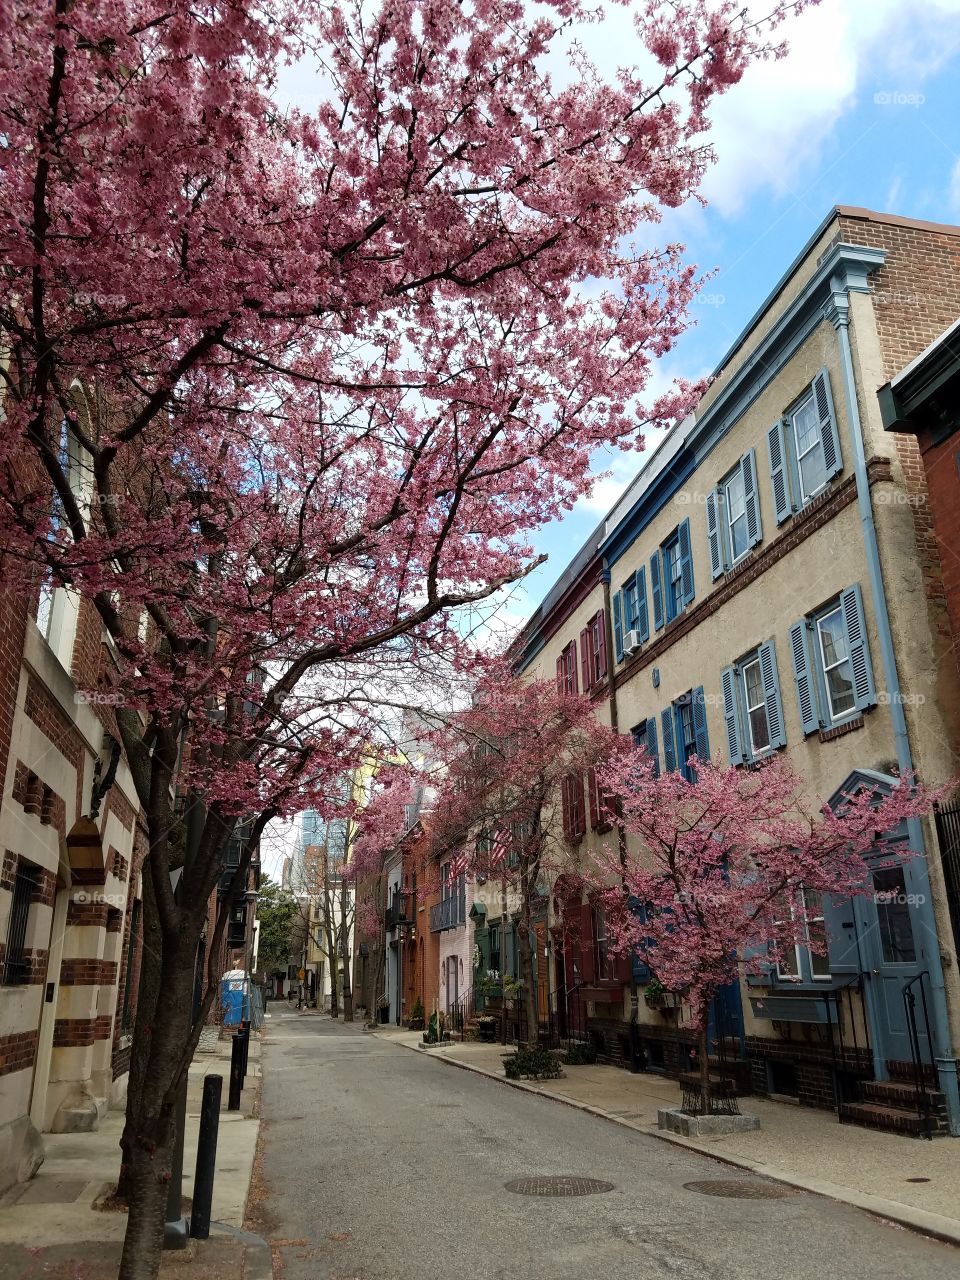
{"points": [[72, 846], [775, 579]]}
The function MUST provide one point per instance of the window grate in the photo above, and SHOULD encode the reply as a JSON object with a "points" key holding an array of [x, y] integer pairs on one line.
{"points": [[26, 887]]}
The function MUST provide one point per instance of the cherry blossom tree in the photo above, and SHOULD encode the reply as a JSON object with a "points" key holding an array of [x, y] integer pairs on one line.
{"points": [[512, 764], [724, 873], [284, 391]]}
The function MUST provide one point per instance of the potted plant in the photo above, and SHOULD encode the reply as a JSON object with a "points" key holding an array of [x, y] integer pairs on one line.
{"points": [[655, 994], [416, 1016], [487, 1027]]}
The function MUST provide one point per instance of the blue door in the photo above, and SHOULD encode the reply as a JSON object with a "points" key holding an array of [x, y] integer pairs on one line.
{"points": [[725, 1018]]}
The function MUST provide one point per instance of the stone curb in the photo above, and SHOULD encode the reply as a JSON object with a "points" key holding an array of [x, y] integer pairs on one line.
{"points": [[919, 1220], [258, 1259]]}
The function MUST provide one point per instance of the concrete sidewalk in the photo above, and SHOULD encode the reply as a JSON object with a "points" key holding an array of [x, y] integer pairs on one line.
{"points": [[51, 1226], [907, 1180]]}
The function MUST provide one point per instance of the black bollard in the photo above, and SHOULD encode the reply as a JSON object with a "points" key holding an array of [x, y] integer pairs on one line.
{"points": [[245, 1028], [236, 1074], [206, 1157]]}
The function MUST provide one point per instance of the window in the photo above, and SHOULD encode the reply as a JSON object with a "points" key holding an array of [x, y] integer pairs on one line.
{"points": [[752, 705], [26, 887], [831, 662], [644, 737], [804, 449], [631, 618], [671, 576], [567, 669], [572, 799], [600, 803], [893, 916], [495, 947], [593, 652], [602, 966], [684, 725], [835, 661], [798, 963], [733, 516]]}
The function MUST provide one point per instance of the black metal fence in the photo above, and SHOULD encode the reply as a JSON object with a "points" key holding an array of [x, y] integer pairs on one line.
{"points": [[947, 818]]}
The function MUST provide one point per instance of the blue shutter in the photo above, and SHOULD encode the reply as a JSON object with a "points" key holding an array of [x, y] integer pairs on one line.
{"points": [[736, 748], [651, 745], [700, 724], [839, 924], [657, 590], [643, 614], [748, 469], [669, 751], [803, 674], [686, 562], [618, 627], [829, 434], [713, 534], [778, 471], [771, 693], [864, 690]]}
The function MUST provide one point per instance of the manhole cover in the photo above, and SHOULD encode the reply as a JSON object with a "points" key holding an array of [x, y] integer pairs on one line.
{"points": [[563, 1185], [739, 1189]]}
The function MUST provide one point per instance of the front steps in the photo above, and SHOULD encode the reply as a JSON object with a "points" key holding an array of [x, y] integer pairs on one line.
{"points": [[895, 1105]]}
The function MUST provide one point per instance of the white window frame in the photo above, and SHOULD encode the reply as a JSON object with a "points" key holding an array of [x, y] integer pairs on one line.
{"points": [[743, 666], [800, 950], [835, 717], [808, 399], [735, 477]]}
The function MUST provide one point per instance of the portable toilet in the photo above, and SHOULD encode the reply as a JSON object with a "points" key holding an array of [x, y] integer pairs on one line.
{"points": [[235, 997]]}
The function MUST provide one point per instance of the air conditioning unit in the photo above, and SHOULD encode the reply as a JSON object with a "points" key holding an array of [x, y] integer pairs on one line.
{"points": [[631, 642]]}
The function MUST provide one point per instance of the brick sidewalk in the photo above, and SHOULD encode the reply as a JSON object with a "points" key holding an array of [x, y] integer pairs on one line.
{"points": [[909, 1180]]}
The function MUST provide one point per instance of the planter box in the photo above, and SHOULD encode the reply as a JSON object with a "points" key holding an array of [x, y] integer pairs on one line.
{"points": [[794, 1008], [676, 1121]]}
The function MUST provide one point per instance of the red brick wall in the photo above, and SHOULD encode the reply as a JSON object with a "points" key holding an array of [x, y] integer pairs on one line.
{"points": [[942, 465], [18, 1051]]}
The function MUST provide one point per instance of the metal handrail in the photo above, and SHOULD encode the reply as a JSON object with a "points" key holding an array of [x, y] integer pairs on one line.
{"points": [[924, 1107]]}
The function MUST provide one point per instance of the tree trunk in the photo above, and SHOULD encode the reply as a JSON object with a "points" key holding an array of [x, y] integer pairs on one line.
{"points": [[705, 1096], [344, 953], [529, 994], [151, 1147], [146, 1004]]}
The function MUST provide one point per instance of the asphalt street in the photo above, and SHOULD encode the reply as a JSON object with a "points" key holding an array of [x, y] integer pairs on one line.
{"points": [[381, 1163]]}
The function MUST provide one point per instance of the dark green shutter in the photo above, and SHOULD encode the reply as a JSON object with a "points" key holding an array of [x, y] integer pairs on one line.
{"points": [[778, 472], [736, 745], [713, 534], [701, 741], [864, 690], [803, 675], [686, 561], [748, 470], [771, 694]]}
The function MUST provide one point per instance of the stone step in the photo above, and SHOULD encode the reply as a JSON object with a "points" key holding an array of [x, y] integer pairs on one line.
{"points": [[874, 1115], [899, 1070], [898, 1093]]}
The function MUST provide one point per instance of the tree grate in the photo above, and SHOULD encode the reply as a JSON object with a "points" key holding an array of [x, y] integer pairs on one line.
{"points": [[560, 1185], [740, 1189]]}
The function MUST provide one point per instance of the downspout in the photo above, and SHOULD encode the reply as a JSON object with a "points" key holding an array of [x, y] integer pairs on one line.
{"points": [[838, 313], [635, 1054]]}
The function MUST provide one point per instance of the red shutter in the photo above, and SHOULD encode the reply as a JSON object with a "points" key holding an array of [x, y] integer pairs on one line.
{"points": [[594, 794], [578, 806], [565, 804], [601, 646], [561, 671], [572, 686], [586, 659], [588, 971]]}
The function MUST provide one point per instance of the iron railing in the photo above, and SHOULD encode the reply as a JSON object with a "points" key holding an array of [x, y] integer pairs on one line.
{"points": [[947, 818], [921, 1079], [26, 888], [449, 913]]}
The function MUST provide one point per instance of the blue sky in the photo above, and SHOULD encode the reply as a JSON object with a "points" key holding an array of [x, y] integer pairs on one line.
{"points": [[865, 110]]}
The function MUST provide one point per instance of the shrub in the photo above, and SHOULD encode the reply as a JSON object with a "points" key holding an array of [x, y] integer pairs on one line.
{"points": [[580, 1055], [536, 1064]]}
